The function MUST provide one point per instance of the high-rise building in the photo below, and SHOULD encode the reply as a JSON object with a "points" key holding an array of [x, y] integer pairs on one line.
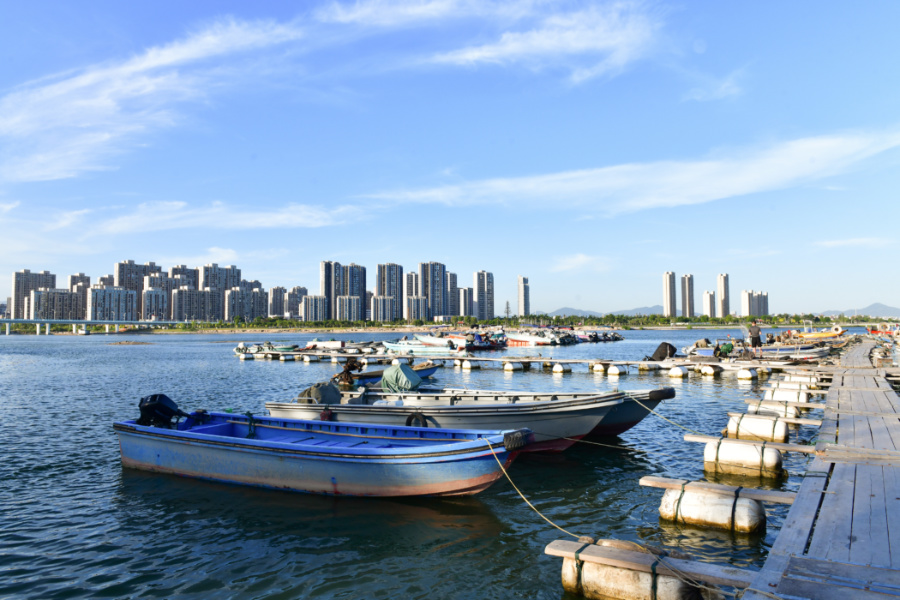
{"points": [[294, 301], [246, 304], [191, 304], [483, 297], [79, 284], [314, 308], [354, 284], [416, 308], [383, 308], [466, 304], [709, 304], [764, 304], [410, 288], [349, 308], [669, 309], [687, 295], [220, 280], [331, 285], [524, 297], [106, 281], [368, 305], [277, 303], [432, 276], [451, 294], [129, 275], [186, 276], [390, 282], [755, 304], [112, 303], [23, 282], [724, 306], [163, 282], [61, 304], [155, 303]]}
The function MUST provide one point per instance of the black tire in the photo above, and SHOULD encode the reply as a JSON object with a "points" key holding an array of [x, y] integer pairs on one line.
{"points": [[417, 418]]}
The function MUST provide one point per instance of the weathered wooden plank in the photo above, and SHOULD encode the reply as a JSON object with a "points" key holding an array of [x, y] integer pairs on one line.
{"points": [[889, 579], [666, 483], [875, 549], [644, 562], [810, 405], [834, 525], [790, 420], [705, 439]]}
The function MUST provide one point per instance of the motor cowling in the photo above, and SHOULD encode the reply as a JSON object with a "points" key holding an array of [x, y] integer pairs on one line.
{"points": [[158, 410]]}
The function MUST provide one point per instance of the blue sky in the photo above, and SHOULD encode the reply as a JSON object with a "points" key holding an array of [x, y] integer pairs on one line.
{"points": [[588, 146]]}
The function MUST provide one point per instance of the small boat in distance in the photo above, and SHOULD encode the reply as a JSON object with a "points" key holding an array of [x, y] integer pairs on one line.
{"points": [[317, 457]]}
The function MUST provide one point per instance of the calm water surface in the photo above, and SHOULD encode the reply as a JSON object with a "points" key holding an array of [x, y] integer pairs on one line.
{"points": [[75, 524]]}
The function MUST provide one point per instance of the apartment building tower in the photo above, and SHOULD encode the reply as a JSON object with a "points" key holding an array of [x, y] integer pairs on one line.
{"points": [[524, 297], [687, 295]]}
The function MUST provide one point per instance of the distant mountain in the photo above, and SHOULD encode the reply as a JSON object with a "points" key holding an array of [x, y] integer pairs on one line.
{"points": [[578, 312], [566, 311], [656, 309], [873, 310]]}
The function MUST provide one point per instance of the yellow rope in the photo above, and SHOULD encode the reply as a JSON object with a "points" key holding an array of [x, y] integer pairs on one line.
{"points": [[659, 415], [526, 499]]}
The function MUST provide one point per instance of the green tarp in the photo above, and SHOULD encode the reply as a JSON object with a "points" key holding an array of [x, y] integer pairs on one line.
{"points": [[400, 378]]}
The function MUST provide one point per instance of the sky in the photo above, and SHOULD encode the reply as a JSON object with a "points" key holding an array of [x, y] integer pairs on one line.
{"points": [[590, 146]]}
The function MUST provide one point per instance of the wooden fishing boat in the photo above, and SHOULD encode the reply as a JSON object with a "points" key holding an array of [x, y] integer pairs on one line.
{"points": [[424, 369], [317, 457], [419, 349], [558, 420]]}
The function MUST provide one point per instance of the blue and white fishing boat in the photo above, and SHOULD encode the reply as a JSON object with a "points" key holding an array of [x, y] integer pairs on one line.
{"points": [[417, 348], [318, 457]]}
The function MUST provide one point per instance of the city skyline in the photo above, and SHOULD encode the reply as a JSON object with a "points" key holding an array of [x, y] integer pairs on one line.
{"points": [[501, 136]]}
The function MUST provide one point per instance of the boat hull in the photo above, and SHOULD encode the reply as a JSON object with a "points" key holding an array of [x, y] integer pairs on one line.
{"points": [[272, 465]]}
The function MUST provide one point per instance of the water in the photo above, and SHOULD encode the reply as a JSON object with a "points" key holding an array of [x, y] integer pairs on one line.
{"points": [[75, 524]]}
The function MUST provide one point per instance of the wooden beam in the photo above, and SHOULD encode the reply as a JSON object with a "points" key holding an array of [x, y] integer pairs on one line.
{"points": [[792, 421], [705, 439], [786, 403], [644, 562], [715, 488]]}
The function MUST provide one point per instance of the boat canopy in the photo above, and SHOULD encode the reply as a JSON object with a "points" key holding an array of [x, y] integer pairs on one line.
{"points": [[400, 378]]}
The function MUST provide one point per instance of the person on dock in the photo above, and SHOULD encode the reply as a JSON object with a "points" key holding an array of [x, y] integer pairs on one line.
{"points": [[754, 338]]}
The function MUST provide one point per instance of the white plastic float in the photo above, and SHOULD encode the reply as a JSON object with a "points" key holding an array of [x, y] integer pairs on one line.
{"points": [[617, 370], [751, 427], [746, 374], [723, 456], [678, 372], [512, 366], [713, 510], [562, 368]]}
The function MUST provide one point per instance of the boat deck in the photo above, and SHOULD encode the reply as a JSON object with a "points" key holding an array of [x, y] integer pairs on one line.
{"points": [[841, 538]]}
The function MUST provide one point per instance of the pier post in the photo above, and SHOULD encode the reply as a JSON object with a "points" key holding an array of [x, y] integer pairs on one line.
{"points": [[37, 329], [7, 329], [107, 329], [74, 330], [47, 329], [117, 328]]}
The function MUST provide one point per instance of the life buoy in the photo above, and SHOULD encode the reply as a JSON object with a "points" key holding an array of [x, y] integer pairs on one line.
{"points": [[836, 329], [418, 418]]}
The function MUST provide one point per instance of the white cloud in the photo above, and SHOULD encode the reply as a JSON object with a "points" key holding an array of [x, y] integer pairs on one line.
{"points": [[717, 89], [590, 43], [867, 242], [382, 13], [639, 186], [8, 206], [166, 216], [581, 262], [62, 126]]}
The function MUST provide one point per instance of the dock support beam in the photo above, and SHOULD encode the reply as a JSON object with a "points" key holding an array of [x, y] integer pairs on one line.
{"points": [[37, 330], [107, 329], [47, 329], [117, 328], [7, 329], [74, 328]]}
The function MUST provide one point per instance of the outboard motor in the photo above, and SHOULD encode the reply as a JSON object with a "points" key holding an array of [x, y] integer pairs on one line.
{"points": [[158, 410]]}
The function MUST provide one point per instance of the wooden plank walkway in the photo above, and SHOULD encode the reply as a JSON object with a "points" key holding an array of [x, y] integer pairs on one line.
{"points": [[841, 538]]}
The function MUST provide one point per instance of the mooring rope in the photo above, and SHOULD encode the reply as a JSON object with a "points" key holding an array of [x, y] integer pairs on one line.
{"points": [[647, 408]]}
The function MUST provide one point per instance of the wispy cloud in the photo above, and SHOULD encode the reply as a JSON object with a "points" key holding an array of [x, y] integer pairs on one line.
{"points": [[589, 43], [639, 186], [62, 126], [717, 89], [163, 216], [7, 206], [384, 13], [865, 242], [581, 262]]}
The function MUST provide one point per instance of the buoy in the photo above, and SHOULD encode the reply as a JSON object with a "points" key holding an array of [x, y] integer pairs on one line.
{"points": [[787, 395], [364, 362], [368, 350], [468, 365], [310, 358], [246, 356], [747, 374], [598, 368], [678, 372], [286, 358], [802, 378], [723, 456], [711, 370], [512, 366], [594, 580], [713, 510], [773, 408], [457, 362], [617, 370], [562, 368], [750, 427], [648, 366]]}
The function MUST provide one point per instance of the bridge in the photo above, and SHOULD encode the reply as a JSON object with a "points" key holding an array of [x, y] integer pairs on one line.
{"points": [[79, 322]]}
